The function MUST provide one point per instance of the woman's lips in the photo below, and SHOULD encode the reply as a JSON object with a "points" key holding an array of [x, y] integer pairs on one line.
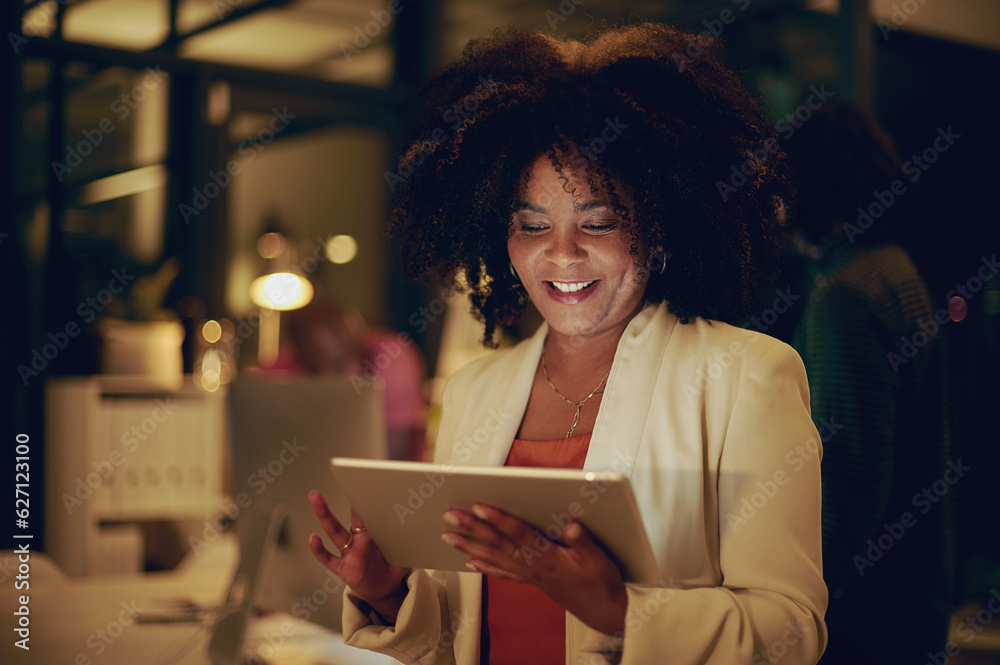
{"points": [[570, 293]]}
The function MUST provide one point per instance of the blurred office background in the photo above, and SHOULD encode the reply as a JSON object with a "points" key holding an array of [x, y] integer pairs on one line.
{"points": [[140, 134]]}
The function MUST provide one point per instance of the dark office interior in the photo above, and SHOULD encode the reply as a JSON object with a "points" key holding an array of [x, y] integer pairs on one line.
{"points": [[161, 139]]}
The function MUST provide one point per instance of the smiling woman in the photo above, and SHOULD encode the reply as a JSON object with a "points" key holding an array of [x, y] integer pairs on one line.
{"points": [[624, 117], [572, 256], [583, 180]]}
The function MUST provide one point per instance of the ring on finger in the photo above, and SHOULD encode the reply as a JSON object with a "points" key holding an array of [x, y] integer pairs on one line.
{"points": [[346, 546], [358, 529]]}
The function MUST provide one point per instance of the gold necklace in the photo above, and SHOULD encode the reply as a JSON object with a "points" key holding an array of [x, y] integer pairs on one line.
{"points": [[578, 405]]}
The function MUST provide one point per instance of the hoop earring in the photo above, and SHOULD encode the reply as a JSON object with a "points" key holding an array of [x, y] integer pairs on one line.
{"points": [[514, 274], [658, 260]]}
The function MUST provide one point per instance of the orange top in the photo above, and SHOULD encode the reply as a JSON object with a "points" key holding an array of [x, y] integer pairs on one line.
{"points": [[520, 623]]}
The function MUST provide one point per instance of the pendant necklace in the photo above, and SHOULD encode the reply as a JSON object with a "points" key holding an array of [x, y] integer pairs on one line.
{"points": [[578, 405]]}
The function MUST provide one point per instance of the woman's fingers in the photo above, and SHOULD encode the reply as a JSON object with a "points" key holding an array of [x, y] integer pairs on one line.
{"points": [[359, 563], [575, 536], [495, 554], [323, 555], [474, 536], [494, 541], [489, 569], [334, 530], [575, 571], [515, 529], [498, 543], [491, 526]]}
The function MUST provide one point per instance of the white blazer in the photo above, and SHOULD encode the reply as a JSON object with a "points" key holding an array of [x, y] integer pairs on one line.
{"points": [[712, 424]]}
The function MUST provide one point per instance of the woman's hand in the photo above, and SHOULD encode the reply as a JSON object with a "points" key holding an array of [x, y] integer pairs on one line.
{"points": [[360, 563], [574, 571]]}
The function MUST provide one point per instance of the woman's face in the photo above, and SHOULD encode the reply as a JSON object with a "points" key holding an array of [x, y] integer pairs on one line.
{"points": [[571, 254]]}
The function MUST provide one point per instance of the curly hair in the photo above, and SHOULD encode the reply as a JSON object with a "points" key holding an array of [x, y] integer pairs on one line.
{"points": [[644, 110]]}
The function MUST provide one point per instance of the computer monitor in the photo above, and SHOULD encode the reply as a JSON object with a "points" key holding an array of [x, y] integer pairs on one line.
{"points": [[283, 433], [257, 543]]}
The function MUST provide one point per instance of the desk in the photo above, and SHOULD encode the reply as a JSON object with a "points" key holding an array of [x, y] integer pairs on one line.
{"points": [[89, 621]]}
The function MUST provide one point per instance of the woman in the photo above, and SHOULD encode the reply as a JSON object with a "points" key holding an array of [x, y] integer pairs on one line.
{"points": [[583, 178]]}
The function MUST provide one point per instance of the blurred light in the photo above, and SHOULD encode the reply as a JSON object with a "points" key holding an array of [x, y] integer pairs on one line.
{"points": [[268, 40], [271, 245], [341, 249], [281, 291], [957, 309], [124, 184], [218, 103], [244, 266], [208, 375], [210, 380], [268, 337], [211, 331], [126, 25], [39, 20]]}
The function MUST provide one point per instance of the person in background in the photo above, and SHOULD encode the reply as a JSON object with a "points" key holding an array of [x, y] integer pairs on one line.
{"points": [[889, 537], [329, 338], [582, 178]]}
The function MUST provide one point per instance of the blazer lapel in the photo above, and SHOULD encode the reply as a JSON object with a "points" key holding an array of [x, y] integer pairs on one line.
{"points": [[513, 394], [618, 431], [614, 445]]}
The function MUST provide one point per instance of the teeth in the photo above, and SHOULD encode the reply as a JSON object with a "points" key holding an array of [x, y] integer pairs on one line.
{"points": [[571, 288]]}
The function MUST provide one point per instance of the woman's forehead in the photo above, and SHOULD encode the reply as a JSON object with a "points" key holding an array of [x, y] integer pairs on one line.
{"points": [[550, 178]]}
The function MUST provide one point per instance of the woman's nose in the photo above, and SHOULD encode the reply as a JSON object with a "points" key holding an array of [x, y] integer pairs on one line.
{"points": [[565, 249]]}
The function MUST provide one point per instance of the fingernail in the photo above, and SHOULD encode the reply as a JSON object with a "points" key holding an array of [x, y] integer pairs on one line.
{"points": [[572, 531], [480, 512], [450, 518], [471, 567], [446, 537]]}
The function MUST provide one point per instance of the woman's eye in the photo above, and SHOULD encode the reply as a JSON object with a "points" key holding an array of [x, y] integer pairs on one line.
{"points": [[601, 227], [529, 227]]}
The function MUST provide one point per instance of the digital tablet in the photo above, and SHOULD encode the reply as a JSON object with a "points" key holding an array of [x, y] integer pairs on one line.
{"points": [[402, 504]]}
